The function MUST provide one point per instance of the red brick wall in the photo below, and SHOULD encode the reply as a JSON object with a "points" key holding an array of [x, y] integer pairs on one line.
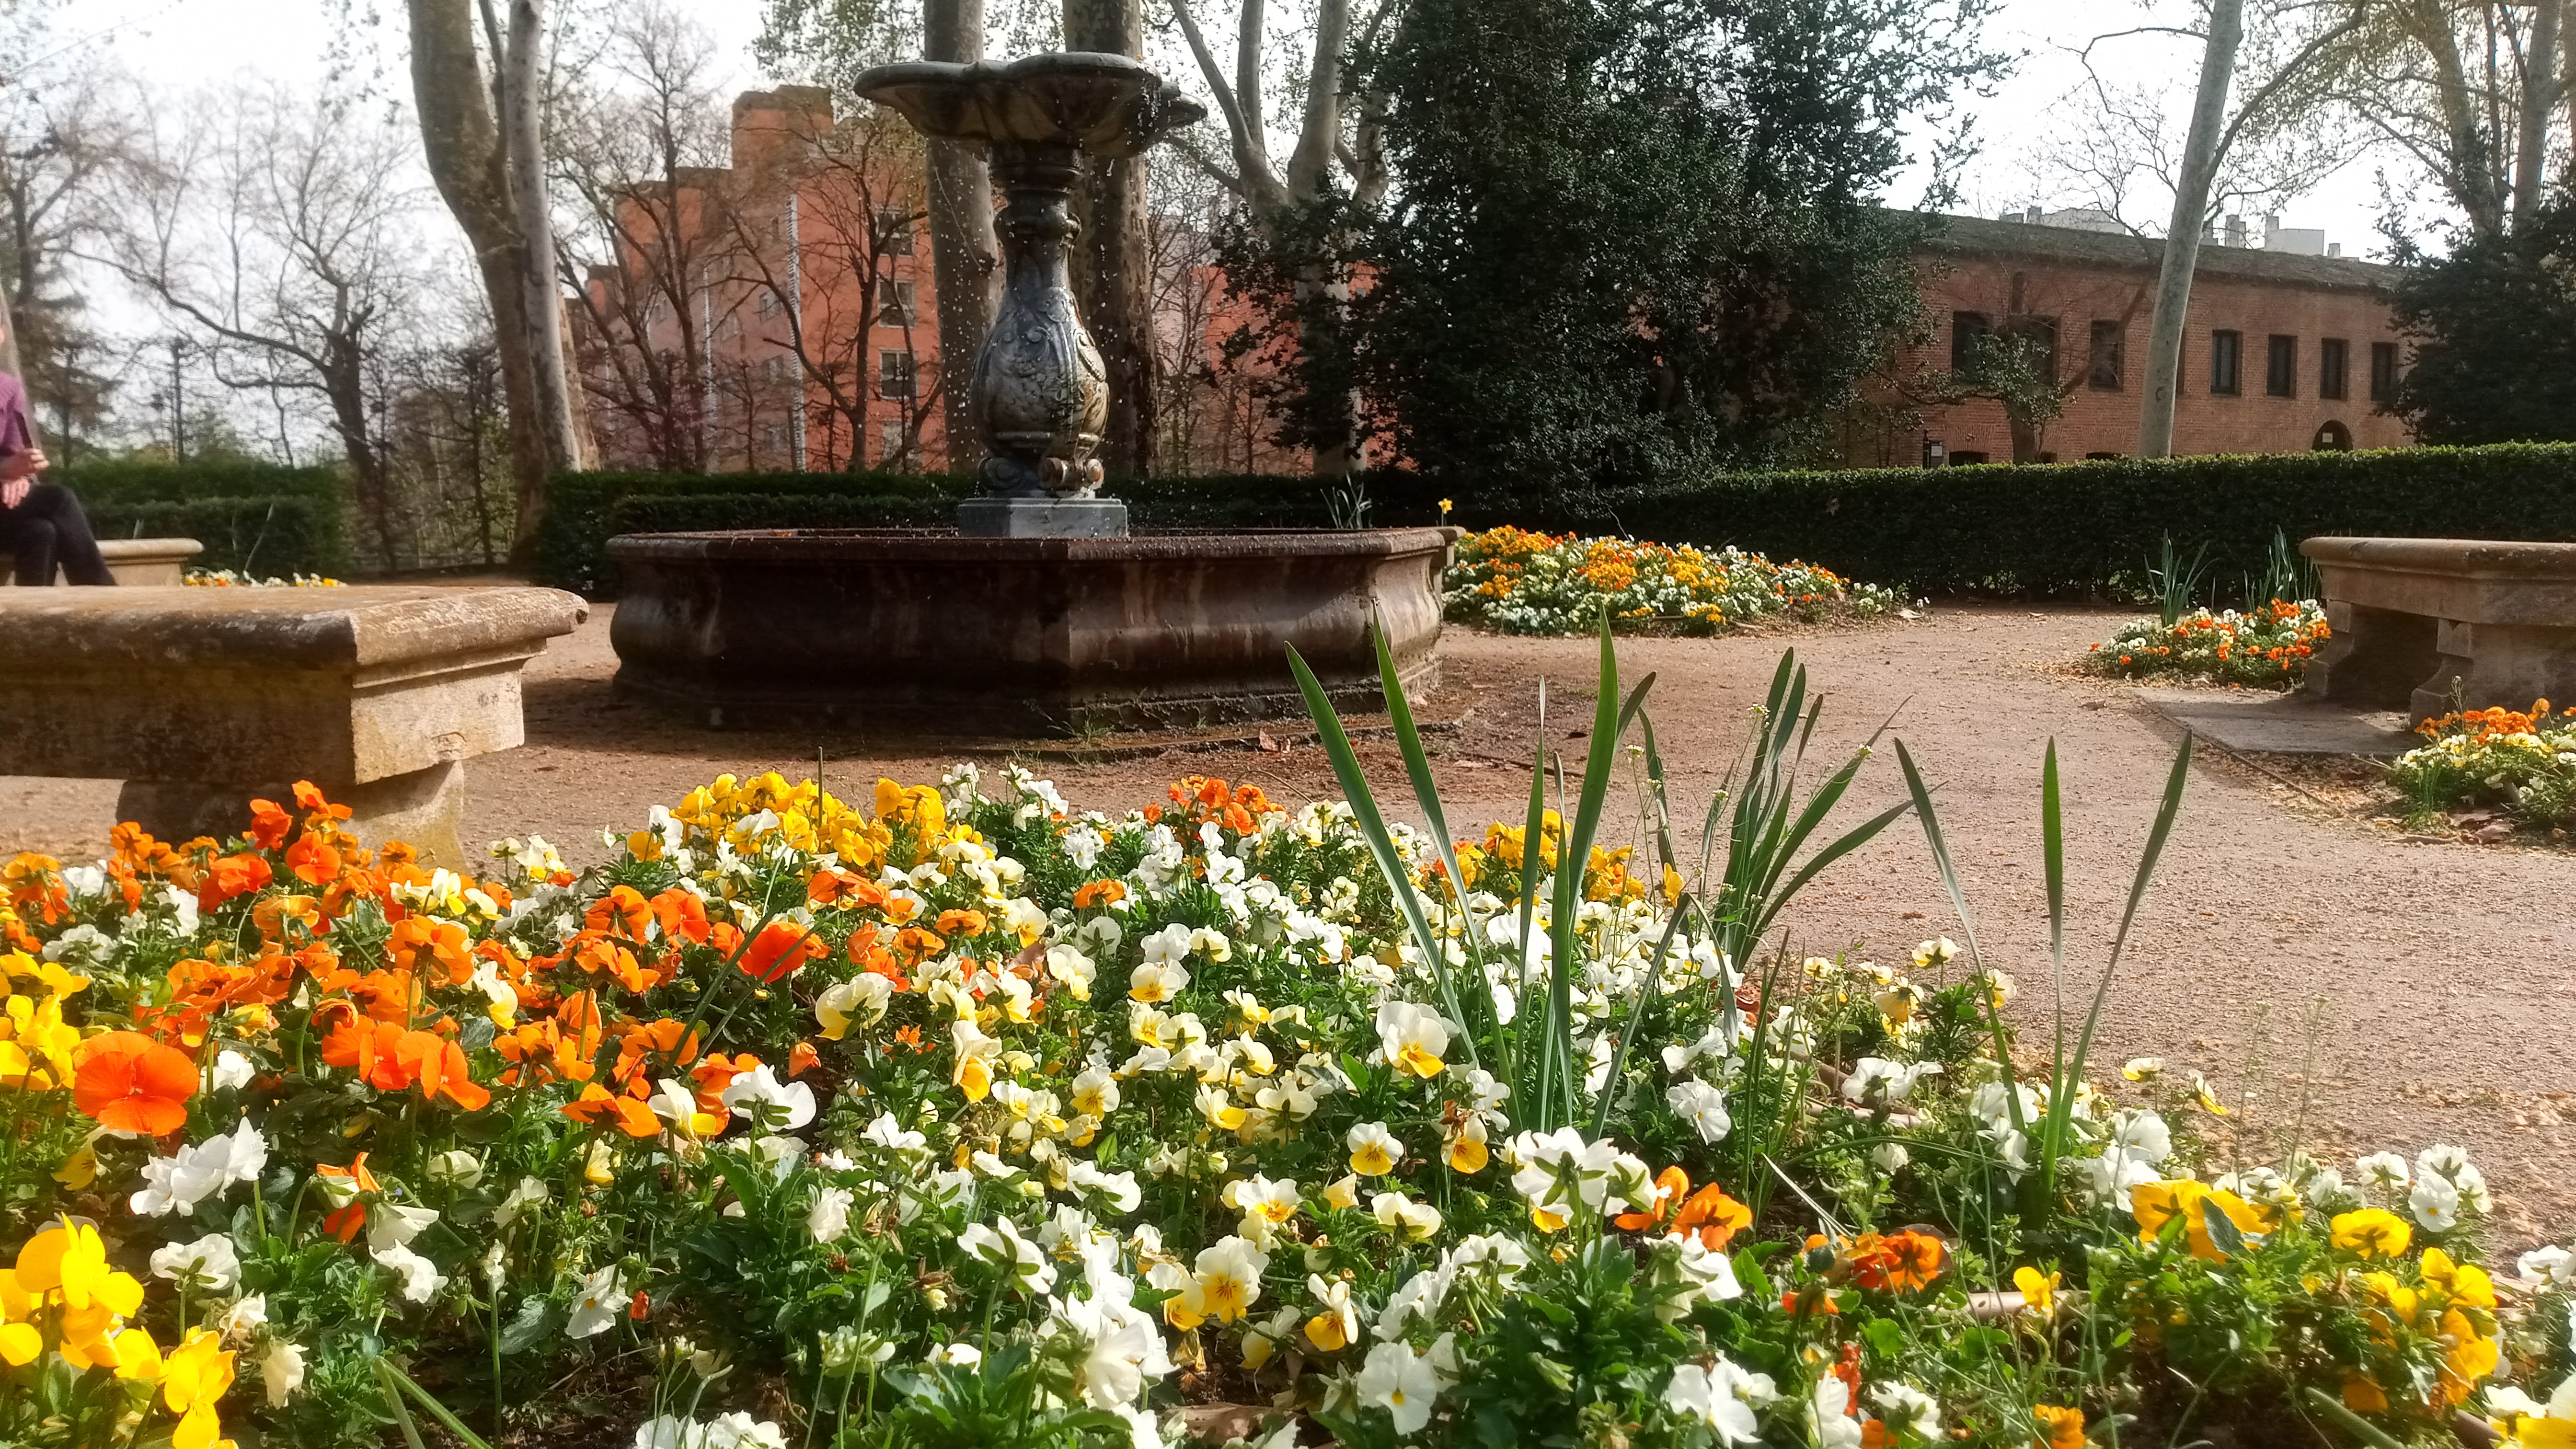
{"points": [[2105, 421]]}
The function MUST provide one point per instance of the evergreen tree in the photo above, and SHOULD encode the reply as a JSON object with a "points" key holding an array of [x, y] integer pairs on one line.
{"points": [[2494, 332]]}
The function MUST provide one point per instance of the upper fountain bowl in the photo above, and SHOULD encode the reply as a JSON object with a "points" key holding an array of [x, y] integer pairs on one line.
{"points": [[1104, 104]]}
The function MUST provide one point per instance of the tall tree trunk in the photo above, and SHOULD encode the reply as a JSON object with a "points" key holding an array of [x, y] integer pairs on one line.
{"points": [[2200, 160], [1112, 261], [2540, 82], [462, 145], [965, 259], [523, 145]]}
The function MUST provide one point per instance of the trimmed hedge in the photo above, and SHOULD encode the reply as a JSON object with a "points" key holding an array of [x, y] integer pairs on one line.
{"points": [[2078, 527], [269, 536], [2039, 529], [255, 517]]}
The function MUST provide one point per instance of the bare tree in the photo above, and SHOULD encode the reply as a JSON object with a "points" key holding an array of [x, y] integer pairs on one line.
{"points": [[2465, 91], [481, 122], [636, 135], [1337, 128], [65, 119], [965, 255], [270, 227]]}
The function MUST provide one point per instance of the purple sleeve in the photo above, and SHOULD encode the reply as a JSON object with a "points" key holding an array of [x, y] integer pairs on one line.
{"points": [[15, 435]]}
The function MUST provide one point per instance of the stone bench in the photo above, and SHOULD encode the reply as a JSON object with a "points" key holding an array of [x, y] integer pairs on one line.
{"points": [[201, 699], [136, 562], [2419, 622]]}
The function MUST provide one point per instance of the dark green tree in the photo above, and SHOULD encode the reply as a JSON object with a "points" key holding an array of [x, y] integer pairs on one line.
{"points": [[2493, 328], [1630, 239]]}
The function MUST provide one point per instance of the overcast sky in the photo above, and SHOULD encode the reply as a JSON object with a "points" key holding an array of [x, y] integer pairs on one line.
{"points": [[178, 43]]}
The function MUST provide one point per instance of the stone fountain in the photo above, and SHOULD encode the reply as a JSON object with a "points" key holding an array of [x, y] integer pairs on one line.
{"points": [[1039, 615]]}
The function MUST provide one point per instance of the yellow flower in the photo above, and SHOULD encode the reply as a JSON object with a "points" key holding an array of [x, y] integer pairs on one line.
{"points": [[1338, 1325], [1344, 1194], [2039, 1293], [196, 1373], [1263, 1197], [1224, 1285], [975, 1051], [1219, 1109], [2372, 1232], [2208, 1096], [1467, 1151], [1413, 1038], [1374, 1150], [2462, 1282]]}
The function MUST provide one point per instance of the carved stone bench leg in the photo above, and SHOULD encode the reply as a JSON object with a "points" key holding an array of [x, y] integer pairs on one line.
{"points": [[424, 809], [2375, 657], [2483, 666]]}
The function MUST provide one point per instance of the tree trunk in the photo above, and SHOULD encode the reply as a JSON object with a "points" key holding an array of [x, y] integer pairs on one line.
{"points": [[2540, 83], [462, 146], [522, 126], [965, 259], [2200, 160], [1112, 258]]}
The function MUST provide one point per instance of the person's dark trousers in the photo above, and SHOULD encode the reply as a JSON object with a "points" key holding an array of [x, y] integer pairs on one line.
{"points": [[48, 528]]}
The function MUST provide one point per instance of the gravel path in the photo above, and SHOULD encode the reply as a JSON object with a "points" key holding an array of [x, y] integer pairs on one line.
{"points": [[2366, 991]]}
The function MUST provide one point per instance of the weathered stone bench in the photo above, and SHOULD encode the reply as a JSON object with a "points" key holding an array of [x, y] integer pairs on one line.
{"points": [[2419, 622], [136, 562], [200, 699]]}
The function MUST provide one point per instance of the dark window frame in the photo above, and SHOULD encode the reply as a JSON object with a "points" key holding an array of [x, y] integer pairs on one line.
{"points": [[2334, 368], [898, 374], [2226, 362], [2281, 365], [2107, 365], [1965, 328], [2383, 372]]}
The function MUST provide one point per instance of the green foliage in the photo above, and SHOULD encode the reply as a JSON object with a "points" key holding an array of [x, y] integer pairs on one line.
{"points": [[2494, 329], [251, 516], [1635, 239]]}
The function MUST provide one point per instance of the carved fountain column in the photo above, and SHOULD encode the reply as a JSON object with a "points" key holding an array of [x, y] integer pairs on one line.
{"points": [[1040, 395]]}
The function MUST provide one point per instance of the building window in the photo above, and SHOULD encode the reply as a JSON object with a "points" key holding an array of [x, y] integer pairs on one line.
{"points": [[1966, 458], [895, 447], [895, 303], [768, 303], [2334, 437], [894, 374], [2226, 353], [894, 229], [1965, 329], [773, 437], [2383, 371], [2110, 342], [2332, 353], [2281, 367], [773, 369]]}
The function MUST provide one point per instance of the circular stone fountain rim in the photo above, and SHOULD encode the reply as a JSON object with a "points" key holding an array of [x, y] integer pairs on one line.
{"points": [[823, 545]]}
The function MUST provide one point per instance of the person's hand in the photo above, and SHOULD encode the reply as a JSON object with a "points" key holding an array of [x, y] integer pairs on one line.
{"points": [[35, 460], [14, 492]]}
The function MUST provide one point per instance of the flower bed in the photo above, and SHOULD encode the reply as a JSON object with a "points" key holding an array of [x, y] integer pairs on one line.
{"points": [[2516, 761], [965, 1118], [229, 579], [1517, 582], [2267, 647]]}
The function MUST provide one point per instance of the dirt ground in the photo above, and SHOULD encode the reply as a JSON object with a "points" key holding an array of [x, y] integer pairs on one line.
{"points": [[2346, 988]]}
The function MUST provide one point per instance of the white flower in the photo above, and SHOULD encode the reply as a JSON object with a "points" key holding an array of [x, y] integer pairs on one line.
{"points": [[281, 1372], [526, 1195], [1554, 1164], [1120, 1187], [1875, 1081], [1402, 1382], [2435, 1203], [1722, 1396], [1413, 1221], [2140, 1136], [958, 1355], [243, 1319], [1908, 1407], [231, 1072], [199, 1171], [1157, 981], [208, 1264], [421, 1279], [456, 1168], [391, 1226], [1022, 1262], [829, 1218], [1223, 1284], [2384, 1171], [1412, 1038], [774, 1105], [861, 1001], [738, 1430], [1702, 1106], [1123, 1349], [886, 1133], [595, 1307], [1829, 1418], [2554, 1265]]}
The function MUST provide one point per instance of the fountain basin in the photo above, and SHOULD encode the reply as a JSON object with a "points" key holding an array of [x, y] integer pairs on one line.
{"points": [[940, 635]]}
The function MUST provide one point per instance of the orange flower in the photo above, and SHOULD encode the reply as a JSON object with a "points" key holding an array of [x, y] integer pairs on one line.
{"points": [[623, 912], [1715, 1216], [1905, 1262], [2059, 1428], [1099, 893], [597, 1104], [913, 945], [269, 824], [272, 914], [230, 876], [309, 799], [344, 1222], [127, 1081], [1671, 1185], [779, 949], [418, 943], [843, 888], [313, 860], [802, 1058], [956, 923]]}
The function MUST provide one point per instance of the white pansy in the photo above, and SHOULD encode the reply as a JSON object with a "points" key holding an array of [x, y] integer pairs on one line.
{"points": [[1703, 1107], [829, 1218], [207, 1265], [1402, 1382], [600, 1298], [773, 1105]]}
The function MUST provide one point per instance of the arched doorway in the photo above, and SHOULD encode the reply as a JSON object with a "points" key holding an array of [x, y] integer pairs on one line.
{"points": [[2334, 437]]}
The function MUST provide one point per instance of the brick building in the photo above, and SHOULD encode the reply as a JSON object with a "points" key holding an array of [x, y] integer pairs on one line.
{"points": [[2287, 346], [775, 313]]}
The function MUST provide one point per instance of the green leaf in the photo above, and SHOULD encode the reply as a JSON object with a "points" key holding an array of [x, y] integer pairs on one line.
{"points": [[1886, 1337], [537, 1320]]}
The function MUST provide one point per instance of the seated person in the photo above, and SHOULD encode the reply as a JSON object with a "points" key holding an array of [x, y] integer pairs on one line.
{"points": [[41, 524]]}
